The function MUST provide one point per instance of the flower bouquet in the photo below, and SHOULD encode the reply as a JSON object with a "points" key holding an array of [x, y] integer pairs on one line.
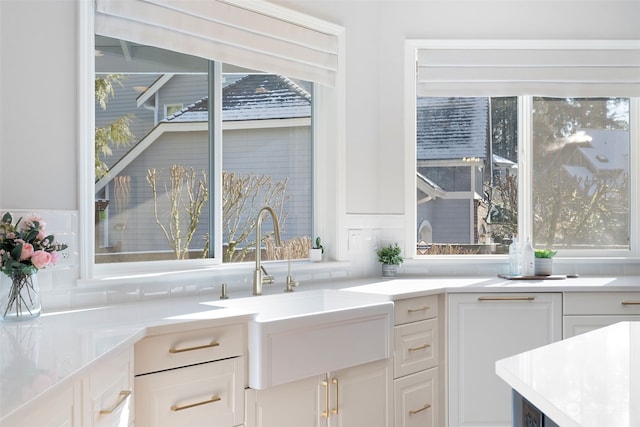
{"points": [[24, 249]]}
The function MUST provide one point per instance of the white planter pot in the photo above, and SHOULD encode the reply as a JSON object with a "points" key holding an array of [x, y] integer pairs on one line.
{"points": [[543, 266], [315, 255]]}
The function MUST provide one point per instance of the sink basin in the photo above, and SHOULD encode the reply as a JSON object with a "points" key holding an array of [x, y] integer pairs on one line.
{"points": [[298, 335]]}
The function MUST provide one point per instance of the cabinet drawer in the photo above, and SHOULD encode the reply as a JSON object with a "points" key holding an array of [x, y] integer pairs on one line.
{"points": [[415, 347], [601, 303], [416, 400], [161, 352], [210, 394], [108, 392], [415, 309]]}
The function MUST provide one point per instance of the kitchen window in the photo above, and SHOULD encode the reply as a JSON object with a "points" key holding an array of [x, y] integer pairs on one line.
{"points": [[524, 139], [155, 194], [195, 46]]}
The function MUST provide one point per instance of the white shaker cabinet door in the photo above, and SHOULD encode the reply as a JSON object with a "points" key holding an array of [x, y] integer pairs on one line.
{"points": [[484, 328]]}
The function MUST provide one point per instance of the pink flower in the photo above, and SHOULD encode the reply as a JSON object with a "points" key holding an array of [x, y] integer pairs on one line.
{"points": [[55, 256], [28, 223], [27, 251], [41, 259], [41, 234]]}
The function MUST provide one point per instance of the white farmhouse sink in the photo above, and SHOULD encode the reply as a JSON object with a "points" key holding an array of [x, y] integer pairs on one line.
{"points": [[301, 334]]}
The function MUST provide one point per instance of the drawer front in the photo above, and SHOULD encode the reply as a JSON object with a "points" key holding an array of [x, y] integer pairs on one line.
{"points": [[161, 352], [211, 394], [576, 325], [601, 303], [415, 309], [416, 400], [108, 392], [415, 347]]}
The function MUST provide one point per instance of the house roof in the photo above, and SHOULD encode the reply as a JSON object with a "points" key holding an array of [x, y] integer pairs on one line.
{"points": [[254, 97], [607, 150], [451, 128]]}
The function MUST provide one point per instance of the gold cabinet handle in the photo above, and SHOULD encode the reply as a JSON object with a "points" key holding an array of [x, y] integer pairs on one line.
{"points": [[415, 310], [422, 347], [176, 408], [325, 413], [335, 381], [122, 396], [506, 298], [417, 411], [630, 302], [174, 350]]}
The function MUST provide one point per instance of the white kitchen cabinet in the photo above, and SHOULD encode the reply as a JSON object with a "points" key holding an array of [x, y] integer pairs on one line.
{"points": [[586, 311], [107, 392], [417, 399], [61, 409], [353, 397], [483, 328], [417, 349], [100, 398], [194, 378]]}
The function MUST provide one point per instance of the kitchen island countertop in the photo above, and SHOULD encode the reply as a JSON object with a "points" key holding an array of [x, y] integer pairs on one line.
{"points": [[590, 380]]}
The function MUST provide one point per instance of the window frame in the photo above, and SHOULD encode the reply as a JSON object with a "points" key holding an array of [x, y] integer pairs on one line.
{"points": [[329, 196], [525, 152]]}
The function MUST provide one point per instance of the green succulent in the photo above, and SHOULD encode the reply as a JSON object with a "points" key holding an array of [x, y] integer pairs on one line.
{"points": [[390, 255], [545, 253]]}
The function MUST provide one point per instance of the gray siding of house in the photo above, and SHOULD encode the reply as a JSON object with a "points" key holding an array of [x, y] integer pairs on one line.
{"points": [[279, 153], [450, 220], [275, 152]]}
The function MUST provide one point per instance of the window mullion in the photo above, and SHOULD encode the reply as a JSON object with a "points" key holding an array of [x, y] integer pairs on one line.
{"points": [[525, 157], [215, 160]]}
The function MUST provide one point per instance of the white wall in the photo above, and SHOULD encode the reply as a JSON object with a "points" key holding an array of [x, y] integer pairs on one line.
{"points": [[38, 107]]}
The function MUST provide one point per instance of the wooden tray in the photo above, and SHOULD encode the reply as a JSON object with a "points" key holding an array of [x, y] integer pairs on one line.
{"points": [[552, 277]]}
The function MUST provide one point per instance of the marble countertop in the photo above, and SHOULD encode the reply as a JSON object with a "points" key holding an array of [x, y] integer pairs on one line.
{"points": [[36, 356], [590, 380], [409, 287], [54, 349]]}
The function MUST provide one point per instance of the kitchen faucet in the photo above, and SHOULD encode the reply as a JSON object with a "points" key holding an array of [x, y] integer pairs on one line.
{"points": [[260, 275]]}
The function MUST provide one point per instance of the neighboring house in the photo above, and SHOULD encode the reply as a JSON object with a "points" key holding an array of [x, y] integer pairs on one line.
{"points": [[597, 153], [451, 152], [268, 116]]}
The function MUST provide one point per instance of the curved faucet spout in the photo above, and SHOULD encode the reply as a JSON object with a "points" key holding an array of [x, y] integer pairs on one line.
{"points": [[260, 275]]}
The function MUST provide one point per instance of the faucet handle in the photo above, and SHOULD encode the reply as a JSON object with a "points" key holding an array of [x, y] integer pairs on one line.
{"points": [[267, 279], [291, 284]]}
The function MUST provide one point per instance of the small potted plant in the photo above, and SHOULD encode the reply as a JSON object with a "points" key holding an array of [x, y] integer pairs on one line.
{"points": [[316, 251], [390, 257], [544, 262]]}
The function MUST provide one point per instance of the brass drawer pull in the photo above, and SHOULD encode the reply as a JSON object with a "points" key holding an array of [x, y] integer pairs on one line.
{"points": [[122, 396], [630, 303], [176, 408], [506, 298], [174, 350], [424, 408], [325, 413], [336, 410], [422, 347], [415, 310]]}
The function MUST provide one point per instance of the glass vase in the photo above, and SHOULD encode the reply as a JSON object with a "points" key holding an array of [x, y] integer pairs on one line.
{"points": [[19, 297]]}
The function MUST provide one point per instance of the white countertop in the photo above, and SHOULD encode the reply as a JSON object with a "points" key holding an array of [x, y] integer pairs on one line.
{"points": [[39, 355], [409, 287], [590, 380], [36, 356]]}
